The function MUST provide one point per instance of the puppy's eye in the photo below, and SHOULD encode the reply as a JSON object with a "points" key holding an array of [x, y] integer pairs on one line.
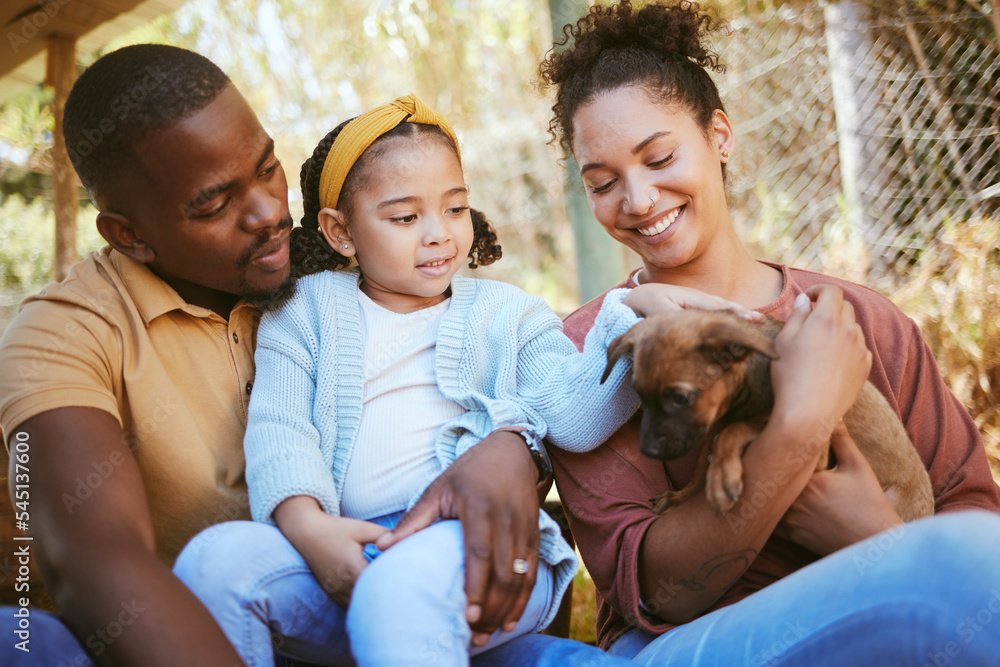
{"points": [[678, 399], [737, 350]]}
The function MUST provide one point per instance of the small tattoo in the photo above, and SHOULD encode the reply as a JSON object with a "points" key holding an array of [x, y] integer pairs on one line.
{"points": [[699, 582]]}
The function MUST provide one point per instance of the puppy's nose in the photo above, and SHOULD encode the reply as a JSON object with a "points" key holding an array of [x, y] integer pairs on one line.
{"points": [[656, 448]]}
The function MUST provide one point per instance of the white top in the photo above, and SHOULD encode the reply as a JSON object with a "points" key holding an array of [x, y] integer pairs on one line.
{"points": [[402, 411]]}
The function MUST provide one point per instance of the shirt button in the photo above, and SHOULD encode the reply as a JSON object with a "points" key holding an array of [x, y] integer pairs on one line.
{"points": [[249, 387], [236, 339]]}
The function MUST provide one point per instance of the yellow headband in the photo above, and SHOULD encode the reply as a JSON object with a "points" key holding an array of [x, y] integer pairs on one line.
{"points": [[362, 132]]}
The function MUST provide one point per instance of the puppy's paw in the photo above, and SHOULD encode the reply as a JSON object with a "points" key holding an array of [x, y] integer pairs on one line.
{"points": [[732, 482], [723, 487], [665, 501]]}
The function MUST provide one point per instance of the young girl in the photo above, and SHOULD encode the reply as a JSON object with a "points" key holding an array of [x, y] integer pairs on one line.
{"points": [[371, 380]]}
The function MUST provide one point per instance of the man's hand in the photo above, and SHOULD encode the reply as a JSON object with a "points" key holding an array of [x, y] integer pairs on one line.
{"points": [[333, 546], [491, 489], [839, 506]]}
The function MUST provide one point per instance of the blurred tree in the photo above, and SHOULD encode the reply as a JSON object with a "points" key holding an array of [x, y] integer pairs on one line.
{"points": [[25, 138], [595, 250]]}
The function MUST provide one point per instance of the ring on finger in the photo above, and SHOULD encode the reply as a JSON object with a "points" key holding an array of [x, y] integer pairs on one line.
{"points": [[520, 566]]}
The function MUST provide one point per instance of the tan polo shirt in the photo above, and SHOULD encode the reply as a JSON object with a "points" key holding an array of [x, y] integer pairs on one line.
{"points": [[113, 336]]}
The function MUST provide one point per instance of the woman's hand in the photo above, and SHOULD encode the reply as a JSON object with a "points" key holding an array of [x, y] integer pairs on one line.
{"points": [[491, 490], [332, 546], [839, 506], [823, 363], [651, 298]]}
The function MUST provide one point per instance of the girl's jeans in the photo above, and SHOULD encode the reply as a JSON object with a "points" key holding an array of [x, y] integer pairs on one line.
{"points": [[407, 607]]}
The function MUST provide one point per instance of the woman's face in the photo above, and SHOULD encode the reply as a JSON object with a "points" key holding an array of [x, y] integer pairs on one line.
{"points": [[653, 177]]}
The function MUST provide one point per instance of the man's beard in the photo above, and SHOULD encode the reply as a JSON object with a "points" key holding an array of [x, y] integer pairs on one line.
{"points": [[268, 300], [271, 299]]}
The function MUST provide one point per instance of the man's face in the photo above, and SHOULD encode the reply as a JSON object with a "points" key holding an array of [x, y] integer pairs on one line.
{"points": [[212, 204]]}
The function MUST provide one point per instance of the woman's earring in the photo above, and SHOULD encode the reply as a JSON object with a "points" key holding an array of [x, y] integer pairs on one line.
{"points": [[345, 246], [725, 154]]}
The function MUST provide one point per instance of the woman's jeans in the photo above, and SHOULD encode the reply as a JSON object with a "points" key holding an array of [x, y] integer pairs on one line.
{"points": [[923, 594]]}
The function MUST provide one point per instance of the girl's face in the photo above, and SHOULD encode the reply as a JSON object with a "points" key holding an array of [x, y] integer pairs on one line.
{"points": [[410, 226], [653, 177]]}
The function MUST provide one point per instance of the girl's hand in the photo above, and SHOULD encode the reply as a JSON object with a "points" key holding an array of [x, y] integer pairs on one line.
{"points": [[333, 546], [651, 298], [839, 506]]}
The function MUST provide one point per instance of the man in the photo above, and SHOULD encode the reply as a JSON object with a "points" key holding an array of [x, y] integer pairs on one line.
{"points": [[124, 389]]}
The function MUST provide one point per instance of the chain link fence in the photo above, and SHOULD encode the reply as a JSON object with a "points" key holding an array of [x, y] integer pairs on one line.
{"points": [[875, 125], [868, 147]]}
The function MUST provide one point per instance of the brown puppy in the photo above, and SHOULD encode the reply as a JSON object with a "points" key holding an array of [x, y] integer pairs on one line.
{"points": [[706, 375]]}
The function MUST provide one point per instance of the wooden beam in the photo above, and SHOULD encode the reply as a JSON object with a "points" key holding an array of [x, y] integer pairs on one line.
{"points": [[60, 74]]}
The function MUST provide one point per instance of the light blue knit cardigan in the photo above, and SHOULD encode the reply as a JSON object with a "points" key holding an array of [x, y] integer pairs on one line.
{"points": [[501, 354]]}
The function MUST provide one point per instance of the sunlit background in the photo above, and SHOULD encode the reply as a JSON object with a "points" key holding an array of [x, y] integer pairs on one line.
{"points": [[305, 67], [868, 143]]}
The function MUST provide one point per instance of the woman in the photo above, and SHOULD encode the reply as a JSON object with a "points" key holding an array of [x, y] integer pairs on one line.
{"points": [[638, 110]]}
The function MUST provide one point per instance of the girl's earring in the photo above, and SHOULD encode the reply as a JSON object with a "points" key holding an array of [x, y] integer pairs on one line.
{"points": [[345, 246], [725, 154]]}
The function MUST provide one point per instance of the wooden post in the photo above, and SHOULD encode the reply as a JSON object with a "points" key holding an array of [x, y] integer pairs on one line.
{"points": [[60, 74], [600, 261]]}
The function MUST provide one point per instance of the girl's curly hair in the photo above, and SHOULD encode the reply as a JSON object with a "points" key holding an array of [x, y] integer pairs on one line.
{"points": [[660, 47], [310, 253]]}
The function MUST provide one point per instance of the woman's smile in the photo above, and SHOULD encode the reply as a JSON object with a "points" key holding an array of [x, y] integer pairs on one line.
{"points": [[661, 223]]}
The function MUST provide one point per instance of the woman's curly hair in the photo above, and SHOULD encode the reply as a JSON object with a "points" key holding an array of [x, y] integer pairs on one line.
{"points": [[310, 253], [660, 47]]}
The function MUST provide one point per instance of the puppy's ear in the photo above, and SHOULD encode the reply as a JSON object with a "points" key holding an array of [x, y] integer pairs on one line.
{"points": [[727, 343], [619, 346]]}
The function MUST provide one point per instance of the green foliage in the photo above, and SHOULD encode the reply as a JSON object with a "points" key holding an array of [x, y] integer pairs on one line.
{"points": [[27, 238], [26, 120], [770, 235], [583, 618], [26, 124]]}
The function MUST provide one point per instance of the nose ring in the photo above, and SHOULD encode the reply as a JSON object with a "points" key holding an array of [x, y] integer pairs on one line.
{"points": [[652, 202]]}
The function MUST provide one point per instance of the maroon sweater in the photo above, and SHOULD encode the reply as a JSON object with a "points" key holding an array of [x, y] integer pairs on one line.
{"points": [[606, 491]]}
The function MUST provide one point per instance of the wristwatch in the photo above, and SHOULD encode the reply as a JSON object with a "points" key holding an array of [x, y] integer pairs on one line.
{"points": [[538, 454]]}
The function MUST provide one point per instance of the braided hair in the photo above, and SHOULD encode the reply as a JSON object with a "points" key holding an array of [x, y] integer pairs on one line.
{"points": [[659, 47], [310, 253]]}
